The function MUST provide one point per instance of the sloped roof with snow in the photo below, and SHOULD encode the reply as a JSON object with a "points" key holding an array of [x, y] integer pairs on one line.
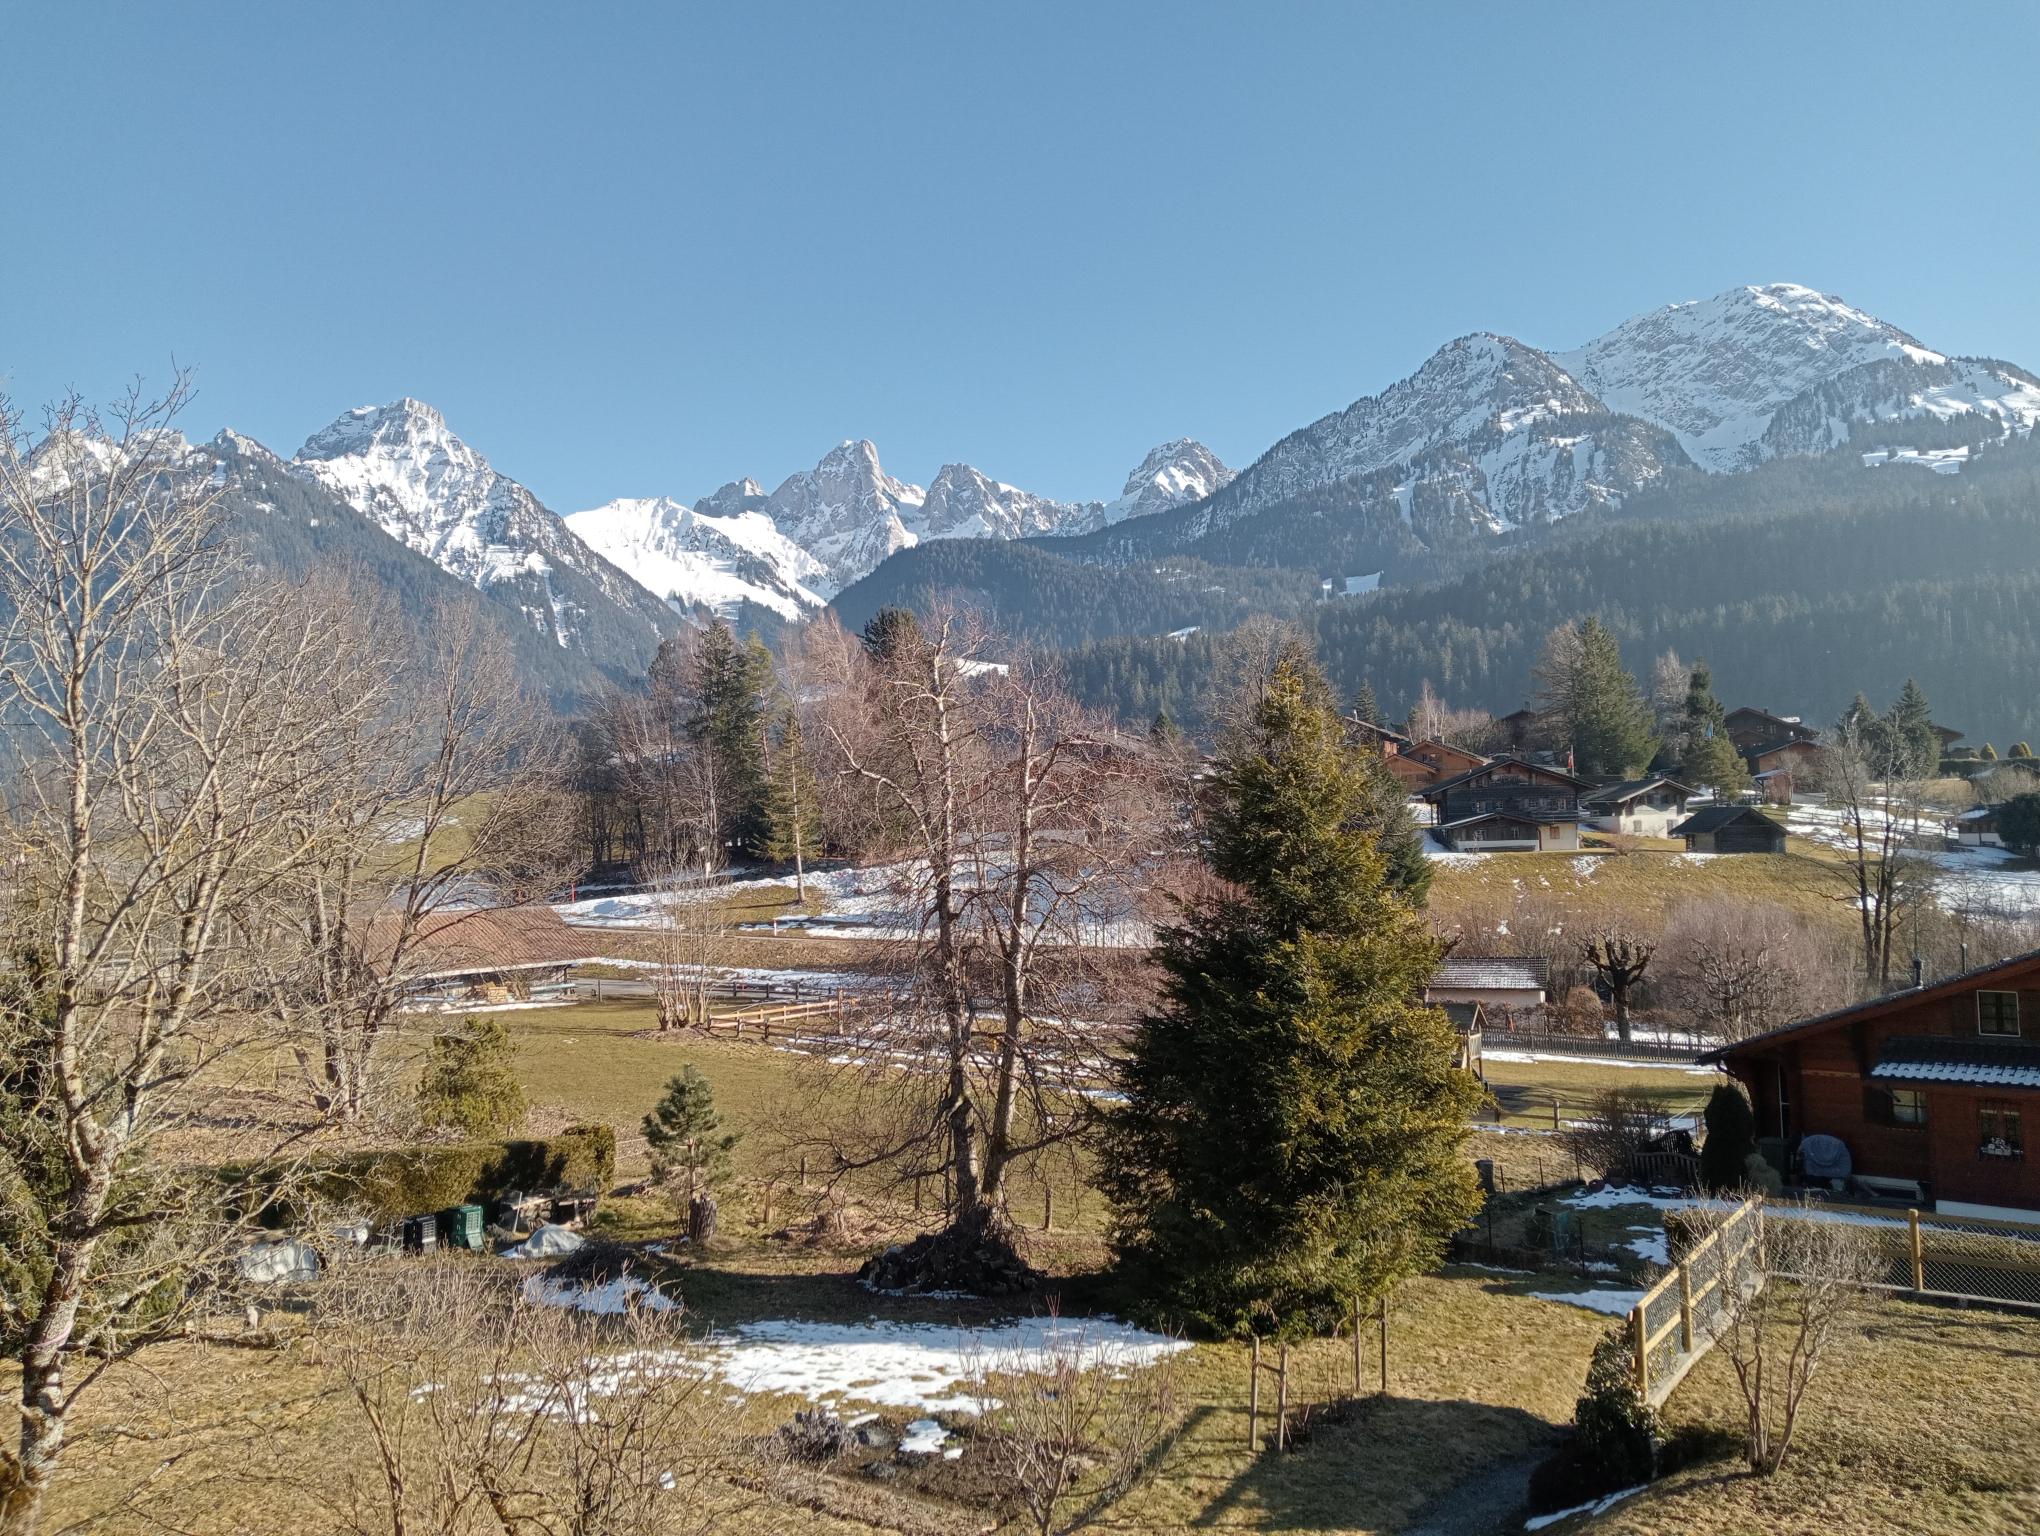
{"points": [[1989, 1063]]}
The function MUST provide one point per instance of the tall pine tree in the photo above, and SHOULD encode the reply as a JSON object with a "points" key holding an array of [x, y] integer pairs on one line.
{"points": [[1584, 687], [1293, 1139], [1709, 758], [727, 683]]}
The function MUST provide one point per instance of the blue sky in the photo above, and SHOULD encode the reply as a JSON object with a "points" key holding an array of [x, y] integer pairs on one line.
{"points": [[643, 250]]}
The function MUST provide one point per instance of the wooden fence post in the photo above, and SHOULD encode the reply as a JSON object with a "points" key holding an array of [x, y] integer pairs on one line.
{"points": [[1384, 1343], [1282, 1399], [1919, 1258], [803, 1170], [1356, 1346], [1048, 1208], [1554, 1111], [1639, 1332], [1685, 1309], [1254, 1400]]}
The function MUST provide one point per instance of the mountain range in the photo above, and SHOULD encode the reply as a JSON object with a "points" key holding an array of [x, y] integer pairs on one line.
{"points": [[1490, 439]]}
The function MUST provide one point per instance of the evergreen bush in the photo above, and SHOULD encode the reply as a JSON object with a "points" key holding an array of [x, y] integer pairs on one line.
{"points": [[469, 1085]]}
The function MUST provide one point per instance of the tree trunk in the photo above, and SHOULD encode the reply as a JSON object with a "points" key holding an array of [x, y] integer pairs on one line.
{"points": [[701, 1218]]}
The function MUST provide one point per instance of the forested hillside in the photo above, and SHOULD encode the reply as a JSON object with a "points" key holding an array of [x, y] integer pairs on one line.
{"points": [[1036, 595], [1801, 583]]}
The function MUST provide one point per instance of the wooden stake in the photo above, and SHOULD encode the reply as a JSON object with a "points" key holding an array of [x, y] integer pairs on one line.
{"points": [[1048, 1208], [1638, 1334], [1282, 1399], [803, 1170], [1356, 1346], [1254, 1399], [1685, 1309], [1919, 1257], [1384, 1344]]}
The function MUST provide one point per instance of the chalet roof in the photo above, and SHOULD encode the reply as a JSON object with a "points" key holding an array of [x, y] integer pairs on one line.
{"points": [[1877, 1007], [1942, 1059], [1630, 789], [1764, 749], [1381, 731], [1789, 725], [1505, 759], [1712, 818], [1502, 972], [1947, 733], [476, 939]]}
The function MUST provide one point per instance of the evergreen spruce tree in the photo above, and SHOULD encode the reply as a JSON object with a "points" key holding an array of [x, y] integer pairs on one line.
{"points": [[689, 1146], [469, 1085], [1293, 1139], [793, 817], [1586, 689], [1366, 708], [1731, 1138], [1710, 759], [1916, 749], [729, 686]]}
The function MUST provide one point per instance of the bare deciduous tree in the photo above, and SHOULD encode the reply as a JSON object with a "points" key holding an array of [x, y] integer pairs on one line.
{"points": [[1779, 1329], [179, 727], [1076, 1428], [1883, 813], [486, 1414]]}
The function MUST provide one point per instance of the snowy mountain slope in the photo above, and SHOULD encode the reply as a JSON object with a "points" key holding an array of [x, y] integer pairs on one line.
{"points": [[692, 557], [1716, 372], [965, 503], [1487, 435], [400, 466]]}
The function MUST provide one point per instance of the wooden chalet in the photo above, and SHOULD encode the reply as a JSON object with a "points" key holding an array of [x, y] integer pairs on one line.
{"points": [[1645, 807], [487, 953], [1421, 764], [1730, 829], [1367, 734], [1507, 805], [1524, 731], [1750, 728], [1934, 1091]]}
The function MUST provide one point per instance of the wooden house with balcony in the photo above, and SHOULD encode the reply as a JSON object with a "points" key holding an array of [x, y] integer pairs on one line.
{"points": [[1507, 805]]}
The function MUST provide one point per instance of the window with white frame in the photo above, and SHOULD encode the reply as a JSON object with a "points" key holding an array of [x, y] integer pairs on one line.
{"points": [[1997, 1013]]}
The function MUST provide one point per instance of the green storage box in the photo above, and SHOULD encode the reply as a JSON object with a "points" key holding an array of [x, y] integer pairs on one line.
{"points": [[460, 1226]]}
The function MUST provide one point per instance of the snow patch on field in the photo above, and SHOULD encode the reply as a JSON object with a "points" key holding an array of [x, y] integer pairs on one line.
{"points": [[1616, 1303], [925, 1366]]}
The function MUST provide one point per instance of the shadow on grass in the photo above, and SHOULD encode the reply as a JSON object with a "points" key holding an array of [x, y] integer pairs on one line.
{"points": [[1450, 1467]]}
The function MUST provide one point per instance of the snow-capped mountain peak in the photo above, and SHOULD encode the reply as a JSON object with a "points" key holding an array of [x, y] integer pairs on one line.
{"points": [[1714, 371], [1173, 473], [847, 511], [401, 466], [965, 503]]}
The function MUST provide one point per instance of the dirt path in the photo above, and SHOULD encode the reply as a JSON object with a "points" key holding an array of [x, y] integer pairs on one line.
{"points": [[1480, 1505]]}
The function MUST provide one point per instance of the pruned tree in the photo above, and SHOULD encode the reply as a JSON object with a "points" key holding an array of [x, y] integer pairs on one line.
{"points": [[1619, 958]]}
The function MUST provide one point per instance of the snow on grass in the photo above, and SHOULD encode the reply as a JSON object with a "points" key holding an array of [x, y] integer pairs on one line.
{"points": [[1504, 1053], [1652, 1247], [1433, 849], [1616, 1303], [924, 1437], [1585, 866], [925, 1366], [1593, 1507], [612, 1298]]}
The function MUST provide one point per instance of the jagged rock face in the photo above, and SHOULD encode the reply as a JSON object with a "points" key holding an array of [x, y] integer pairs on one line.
{"points": [[1172, 475], [964, 503], [847, 511], [401, 466], [694, 558], [734, 499]]}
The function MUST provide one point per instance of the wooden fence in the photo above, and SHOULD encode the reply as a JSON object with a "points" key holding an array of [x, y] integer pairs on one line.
{"points": [[1933, 1255], [1673, 1325]]}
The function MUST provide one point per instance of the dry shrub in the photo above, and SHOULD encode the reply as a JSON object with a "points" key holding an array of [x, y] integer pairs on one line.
{"points": [[1622, 1123]]}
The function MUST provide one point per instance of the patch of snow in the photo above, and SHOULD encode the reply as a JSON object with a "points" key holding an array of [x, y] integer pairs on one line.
{"points": [[1616, 1303], [609, 1299], [1593, 1507], [912, 1365]]}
